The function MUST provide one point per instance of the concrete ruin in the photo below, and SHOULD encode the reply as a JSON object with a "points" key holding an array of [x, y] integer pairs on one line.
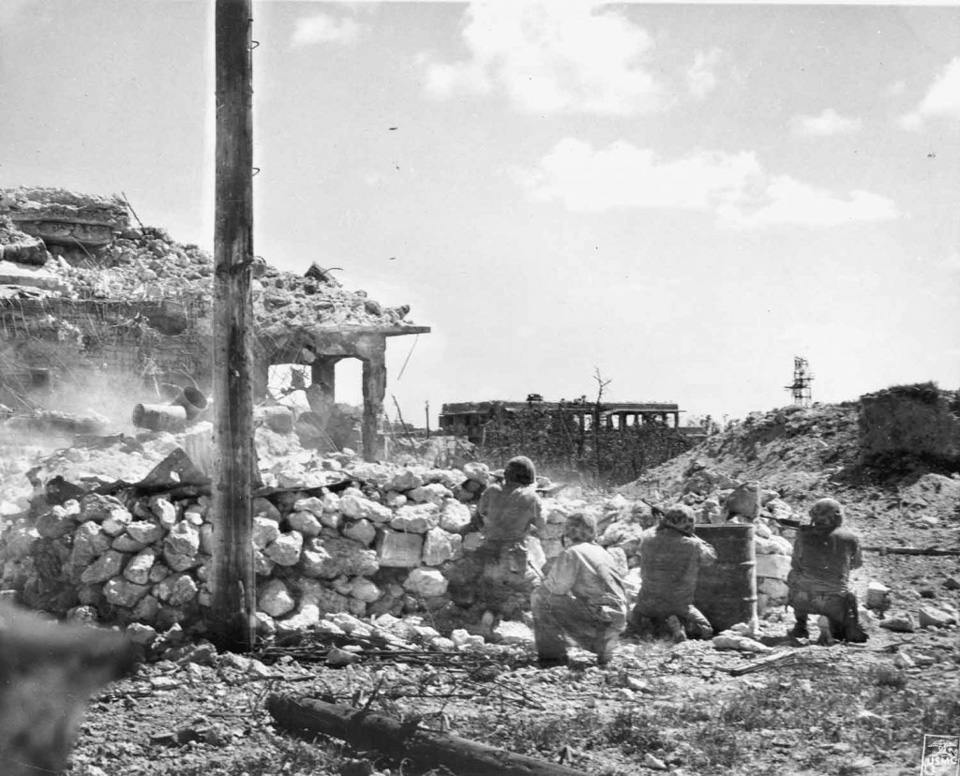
{"points": [[471, 419], [83, 291]]}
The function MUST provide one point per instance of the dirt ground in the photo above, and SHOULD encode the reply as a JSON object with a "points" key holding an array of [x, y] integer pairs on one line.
{"points": [[684, 709]]}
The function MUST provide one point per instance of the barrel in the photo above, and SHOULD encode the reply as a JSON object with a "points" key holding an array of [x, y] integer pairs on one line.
{"points": [[192, 400], [727, 590], [159, 417]]}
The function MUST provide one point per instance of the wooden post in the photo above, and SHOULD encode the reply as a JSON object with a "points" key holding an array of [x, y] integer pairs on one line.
{"points": [[233, 581]]}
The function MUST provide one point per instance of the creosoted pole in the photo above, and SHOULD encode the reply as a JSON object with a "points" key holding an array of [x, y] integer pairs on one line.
{"points": [[234, 478]]}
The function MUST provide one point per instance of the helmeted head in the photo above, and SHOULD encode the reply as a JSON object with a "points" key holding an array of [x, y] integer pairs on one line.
{"points": [[681, 518], [580, 528], [520, 471], [826, 513]]}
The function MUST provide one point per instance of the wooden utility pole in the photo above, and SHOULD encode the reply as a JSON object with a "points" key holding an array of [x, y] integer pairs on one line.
{"points": [[235, 469]]}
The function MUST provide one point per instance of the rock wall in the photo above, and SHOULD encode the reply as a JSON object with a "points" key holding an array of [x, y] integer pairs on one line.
{"points": [[913, 420]]}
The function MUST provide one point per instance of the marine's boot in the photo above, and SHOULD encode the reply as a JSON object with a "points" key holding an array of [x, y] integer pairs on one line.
{"points": [[675, 629], [800, 630]]}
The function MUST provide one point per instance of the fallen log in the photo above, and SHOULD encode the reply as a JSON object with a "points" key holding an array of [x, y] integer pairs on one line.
{"points": [[365, 730]]}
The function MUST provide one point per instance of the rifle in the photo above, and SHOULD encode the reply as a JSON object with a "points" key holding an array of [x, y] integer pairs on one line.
{"points": [[909, 551], [657, 512]]}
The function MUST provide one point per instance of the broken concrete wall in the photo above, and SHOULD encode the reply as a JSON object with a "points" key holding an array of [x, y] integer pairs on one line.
{"points": [[912, 420]]}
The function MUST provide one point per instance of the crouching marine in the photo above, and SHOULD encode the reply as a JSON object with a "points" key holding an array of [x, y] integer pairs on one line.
{"points": [[582, 597]]}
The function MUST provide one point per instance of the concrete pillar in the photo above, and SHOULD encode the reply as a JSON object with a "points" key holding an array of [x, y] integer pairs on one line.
{"points": [[374, 389], [323, 374]]}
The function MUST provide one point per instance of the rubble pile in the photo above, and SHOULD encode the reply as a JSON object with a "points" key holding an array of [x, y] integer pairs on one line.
{"points": [[88, 243]]}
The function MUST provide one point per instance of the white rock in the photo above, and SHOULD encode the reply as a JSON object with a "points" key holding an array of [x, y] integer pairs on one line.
{"points": [[416, 518], [177, 590], [364, 590], [275, 599], [138, 569], [478, 472], [359, 507], [285, 550], [264, 532], [362, 531], [262, 565], [454, 516], [395, 500], [313, 505], [141, 634], [166, 512], [510, 632], [437, 547], [305, 522], [434, 493], [403, 480], [144, 531], [425, 582], [106, 566], [730, 640], [121, 592], [183, 539], [126, 543], [936, 617], [463, 640]]}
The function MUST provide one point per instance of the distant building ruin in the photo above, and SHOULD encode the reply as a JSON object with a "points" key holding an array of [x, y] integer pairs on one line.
{"points": [[83, 291], [472, 419]]}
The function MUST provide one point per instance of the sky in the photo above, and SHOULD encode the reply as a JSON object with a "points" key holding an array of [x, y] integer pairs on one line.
{"points": [[675, 200]]}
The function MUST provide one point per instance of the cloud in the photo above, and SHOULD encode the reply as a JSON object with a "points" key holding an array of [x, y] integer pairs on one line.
{"points": [[826, 124], [701, 78], [323, 28], [733, 187], [552, 58], [11, 10], [942, 99], [951, 263]]}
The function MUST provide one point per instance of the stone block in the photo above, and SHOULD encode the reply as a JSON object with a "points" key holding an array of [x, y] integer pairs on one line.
{"points": [[437, 547], [878, 596], [399, 550], [776, 566]]}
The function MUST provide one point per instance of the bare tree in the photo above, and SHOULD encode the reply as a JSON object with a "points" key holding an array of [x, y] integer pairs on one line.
{"points": [[597, 409]]}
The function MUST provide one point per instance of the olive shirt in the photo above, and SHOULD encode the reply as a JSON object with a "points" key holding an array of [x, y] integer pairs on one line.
{"points": [[588, 572], [670, 563], [822, 559], [507, 512]]}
